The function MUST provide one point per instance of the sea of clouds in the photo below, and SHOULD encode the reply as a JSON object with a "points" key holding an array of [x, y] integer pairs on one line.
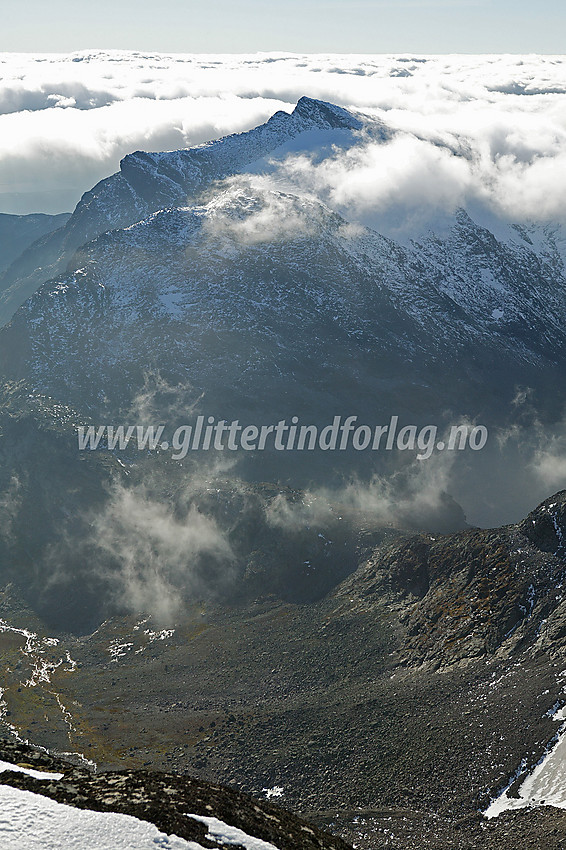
{"points": [[483, 130]]}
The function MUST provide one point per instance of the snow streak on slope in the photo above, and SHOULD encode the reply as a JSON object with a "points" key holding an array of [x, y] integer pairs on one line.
{"points": [[34, 650], [545, 785], [229, 835], [31, 661], [35, 774]]}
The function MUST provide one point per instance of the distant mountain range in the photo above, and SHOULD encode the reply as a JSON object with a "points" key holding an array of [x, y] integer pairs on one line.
{"points": [[18, 232]]}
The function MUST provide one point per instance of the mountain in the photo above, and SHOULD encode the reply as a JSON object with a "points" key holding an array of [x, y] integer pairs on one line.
{"points": [[240, 610], [305, 310], [227, 287], [236, 286], [18, 232], [148, 182], [245, 302]]}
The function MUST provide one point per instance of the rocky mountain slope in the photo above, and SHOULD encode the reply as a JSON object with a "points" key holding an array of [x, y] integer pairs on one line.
{"points": [[214, 299], [226, 285], [477, 593]]}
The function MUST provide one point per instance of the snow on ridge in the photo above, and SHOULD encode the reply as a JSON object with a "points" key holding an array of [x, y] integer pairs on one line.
{"points": [[30, 821], [29, 771], [230, 835]]}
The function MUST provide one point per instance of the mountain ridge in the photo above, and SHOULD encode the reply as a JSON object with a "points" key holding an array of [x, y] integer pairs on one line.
{"points": [[148, 182]]}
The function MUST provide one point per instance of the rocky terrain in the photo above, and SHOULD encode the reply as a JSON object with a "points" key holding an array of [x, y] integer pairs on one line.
{"points": [[467, 596], [390, 710], [172, 803]]}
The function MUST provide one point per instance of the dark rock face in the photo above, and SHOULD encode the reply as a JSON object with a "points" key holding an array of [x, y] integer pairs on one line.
{"points": [[164, 800], [66, 577], [545, 527], [43, 487], [475, 593]]}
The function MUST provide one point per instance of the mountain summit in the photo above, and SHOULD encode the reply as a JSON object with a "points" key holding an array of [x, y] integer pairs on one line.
{"points": [[148, 182]]}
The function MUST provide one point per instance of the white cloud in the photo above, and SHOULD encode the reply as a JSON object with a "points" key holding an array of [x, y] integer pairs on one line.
{"points": [[159, 552], [246, 211], [415, 496], [487, 128], [404, 178]]}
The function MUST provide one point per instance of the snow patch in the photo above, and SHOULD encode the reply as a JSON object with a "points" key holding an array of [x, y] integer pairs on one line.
{"points": [[31, 822], [276, 791], [546, 784], [229, 835], [35, 774]]}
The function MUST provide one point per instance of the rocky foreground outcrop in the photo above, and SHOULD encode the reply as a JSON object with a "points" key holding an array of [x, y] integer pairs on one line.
{"points": [[163, 799]]}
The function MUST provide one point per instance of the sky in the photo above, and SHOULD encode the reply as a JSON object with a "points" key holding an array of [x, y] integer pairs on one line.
{"points": [[352, 26]]}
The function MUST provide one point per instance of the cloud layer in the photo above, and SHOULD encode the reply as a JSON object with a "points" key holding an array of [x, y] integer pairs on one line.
{"points": [[469, 128]]}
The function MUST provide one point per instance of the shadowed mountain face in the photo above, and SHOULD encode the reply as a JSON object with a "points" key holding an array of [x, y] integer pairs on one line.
{"points": [[256, 300], [18, 232]]}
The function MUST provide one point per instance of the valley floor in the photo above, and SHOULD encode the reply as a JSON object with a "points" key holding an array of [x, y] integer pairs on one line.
{"points": [[309, 706]]}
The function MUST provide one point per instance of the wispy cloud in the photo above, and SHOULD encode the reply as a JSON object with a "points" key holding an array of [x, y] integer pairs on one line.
{"points": [[161, 554], [10, 504]]}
